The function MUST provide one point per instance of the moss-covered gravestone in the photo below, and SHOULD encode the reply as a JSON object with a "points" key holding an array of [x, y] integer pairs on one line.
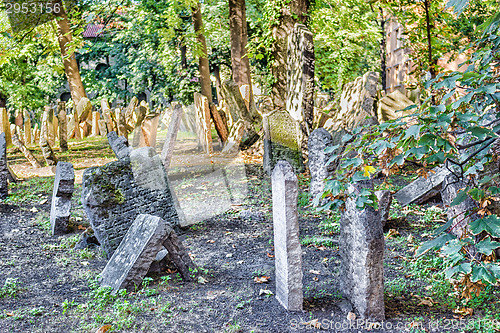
{"points": [[115, 194]]}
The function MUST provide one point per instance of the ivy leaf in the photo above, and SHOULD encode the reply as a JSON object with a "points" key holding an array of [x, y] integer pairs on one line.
{"points": [[481, 132], [434, 243], [494, 269], [486, 246], [331, 149], [464, 268], [483, 274], [443, 227], [413, 131], [461, 196], [490, 224]]}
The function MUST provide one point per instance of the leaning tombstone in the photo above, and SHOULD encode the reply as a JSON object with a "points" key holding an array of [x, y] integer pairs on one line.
{"points": [[114, 194], [287, 250], [5, 125], [4, 171], [423, 188], [133, 258], [362, 257], [64, 185], [119, 145], [26, 152], [27, 128], [319, 166], [63, 126]]}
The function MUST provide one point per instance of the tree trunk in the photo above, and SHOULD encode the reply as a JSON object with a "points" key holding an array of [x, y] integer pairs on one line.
{"points": [[65, 38], [3, 101], [206, 88], [218, 82], [383, 65], [239, 38], [295, 12], [428, 27]]}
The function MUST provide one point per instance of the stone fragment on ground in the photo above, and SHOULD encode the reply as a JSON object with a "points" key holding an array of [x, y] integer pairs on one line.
{"points": [[422, 189]]}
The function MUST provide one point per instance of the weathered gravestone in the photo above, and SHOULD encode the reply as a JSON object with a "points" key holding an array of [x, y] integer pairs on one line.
{"points": [[119, 145], [287, 250], [47, 152], [356, 104], [64, 185], [319, 167], [102, 127], [4, 171], [114, 194], [282, 141], [27, 128], [173, 128], [5, 125], [362, 257], [300, 77], [384, 204], [63, 126], [51, 136], [203, 125], [133, 258], [423, 188]]}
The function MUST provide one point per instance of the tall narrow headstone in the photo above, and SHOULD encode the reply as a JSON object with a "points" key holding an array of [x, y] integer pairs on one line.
{"points": [[287, 250], [119, 145], [27, 128], [362, 257], [36, 134], [300, 77], [4, 171], [5, 125], [203, 125], [103, 130], [173, 128], [149, 128], [63, 126], [47, 152], [95, 123], [64, 185], [50, 126], [319, 167]]}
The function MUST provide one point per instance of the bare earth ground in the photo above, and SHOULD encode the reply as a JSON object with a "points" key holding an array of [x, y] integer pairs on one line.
{"points": [[48, 286]]}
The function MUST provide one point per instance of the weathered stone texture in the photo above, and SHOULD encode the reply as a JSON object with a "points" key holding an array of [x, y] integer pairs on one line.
{"points": [[64, 185], [119, 145], [114, 194], [173, 128], [282, 141], [287, 250], [4, 171], [384, 204], [362, 257], [133, 257], [319, 167], [423, 188]]}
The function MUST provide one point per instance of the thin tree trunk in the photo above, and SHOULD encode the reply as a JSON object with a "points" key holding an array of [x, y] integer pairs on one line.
{"points": [[428, 28], [3, 101], [383, 65], [183, 56], [206, 88], [239, 58], [65, 38]]}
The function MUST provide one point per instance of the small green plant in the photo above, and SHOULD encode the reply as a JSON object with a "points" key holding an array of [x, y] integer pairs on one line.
{"points": [[37, 311], [43, 221], [67, 305], [10, 288], [164, 279]]}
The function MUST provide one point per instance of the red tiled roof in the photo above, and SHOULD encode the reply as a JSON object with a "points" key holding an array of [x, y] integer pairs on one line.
{"points": [[93, 30]]}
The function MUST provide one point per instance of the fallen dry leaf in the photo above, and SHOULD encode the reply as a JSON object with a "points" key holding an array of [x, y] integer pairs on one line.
{"points": [[464, 311], [313, 323], [351, 316], [103, 329], [262, 279], [312, 271], [211, 241], [10, 314], [315, 279], [270, 255], [266, 292], [426, 302], [81, 227], [202, 280], [44, 201], [392, 232]]}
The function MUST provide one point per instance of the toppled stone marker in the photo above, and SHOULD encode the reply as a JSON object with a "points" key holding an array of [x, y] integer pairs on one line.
{"points": [[119, 145], [362, 257], [422, 189], [318, 160], [133, 257], [287, 250], [4, 171], [64, 185], [114, 194]]}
